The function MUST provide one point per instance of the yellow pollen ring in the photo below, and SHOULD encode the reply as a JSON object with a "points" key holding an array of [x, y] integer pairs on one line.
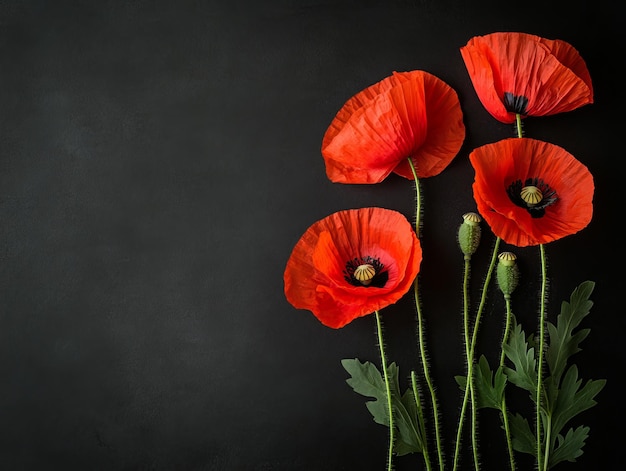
{"points": [[364, 273], [531, 195]]}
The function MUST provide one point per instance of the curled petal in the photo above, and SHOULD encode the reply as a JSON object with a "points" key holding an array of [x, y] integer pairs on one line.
{"points": [[566, 186], [520, 73], [407, 115], [317, 278]]}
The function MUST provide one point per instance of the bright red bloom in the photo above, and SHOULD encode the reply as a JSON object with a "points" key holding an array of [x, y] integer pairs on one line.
{"points": [[531, 192], [409, 114], [375, 245], [519, 73]]}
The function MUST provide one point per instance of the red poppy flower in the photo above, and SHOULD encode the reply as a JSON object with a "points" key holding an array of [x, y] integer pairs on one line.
{"points": [[352, 263], [531, 192], [409, 114], [519, 73]]}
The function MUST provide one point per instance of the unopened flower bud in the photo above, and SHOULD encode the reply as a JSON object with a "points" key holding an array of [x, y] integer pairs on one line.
{"points": [[507, 273], [469, 234]]}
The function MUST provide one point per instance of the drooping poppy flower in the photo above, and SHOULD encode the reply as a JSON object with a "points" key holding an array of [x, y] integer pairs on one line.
{"points": [[352, 263], [531, 192], [520, 73], [409, 114]]}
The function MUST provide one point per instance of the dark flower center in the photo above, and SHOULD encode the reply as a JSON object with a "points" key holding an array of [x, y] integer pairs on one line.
{"points": [[365, 271], [534, 195], [515, 104]]}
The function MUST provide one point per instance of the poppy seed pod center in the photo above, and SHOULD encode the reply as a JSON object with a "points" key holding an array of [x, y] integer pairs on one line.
{"points": [[534, 195], [365, 271], [531, 195]]}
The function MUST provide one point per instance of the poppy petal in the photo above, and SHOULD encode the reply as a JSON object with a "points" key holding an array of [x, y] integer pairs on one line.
{"points": [[316, 276], [519, 73], [409, 114], [497, 166]]}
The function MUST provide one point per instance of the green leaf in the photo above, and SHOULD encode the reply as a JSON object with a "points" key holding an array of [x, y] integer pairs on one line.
{"points": [[563, 341], [572, 399], [565, 396], [367, 380], [461, 381], [524, 439], [569, 447], [489, 390], [522, 355], [410, 439]]}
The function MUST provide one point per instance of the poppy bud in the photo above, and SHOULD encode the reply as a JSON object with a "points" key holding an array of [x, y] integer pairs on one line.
{"points": [[507, 273], [469, 234]]}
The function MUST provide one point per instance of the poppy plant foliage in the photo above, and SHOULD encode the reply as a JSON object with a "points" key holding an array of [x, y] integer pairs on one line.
{"points": [[357, 262]]}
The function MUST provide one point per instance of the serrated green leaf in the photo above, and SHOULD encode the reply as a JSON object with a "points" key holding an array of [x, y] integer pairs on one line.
{"points": [[379, 410], [572, 400], [522, 355], [365, 379], [563, 342], [368, 381], [410, 439], [401, 448], [569, 447], [523, 438], [489, 386]]}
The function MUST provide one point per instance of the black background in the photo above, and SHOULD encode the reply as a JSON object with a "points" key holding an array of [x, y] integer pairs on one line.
{"points": [[159, 160]]}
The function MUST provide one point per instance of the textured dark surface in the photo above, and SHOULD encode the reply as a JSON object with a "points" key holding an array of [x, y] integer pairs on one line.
{"points": [[159, 160]]}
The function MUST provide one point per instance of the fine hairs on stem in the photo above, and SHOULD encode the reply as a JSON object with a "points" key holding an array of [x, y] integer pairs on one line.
{"points": [[420, 330], [421, 421], [383, 359], [542, 461], [505, 417], [468, 395], [542, 321]]}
